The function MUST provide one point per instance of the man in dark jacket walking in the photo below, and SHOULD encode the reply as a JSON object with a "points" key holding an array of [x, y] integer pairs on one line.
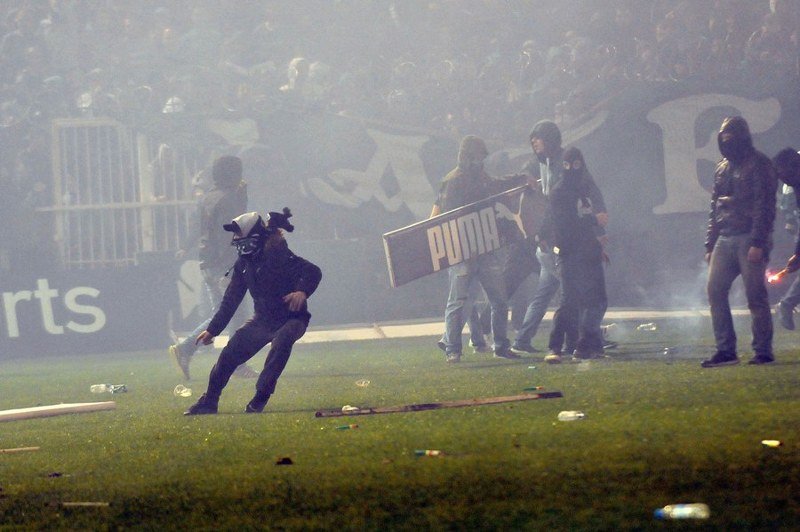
{"points": [[739, 239], [280, 282], [570, 228], [545, 139]]}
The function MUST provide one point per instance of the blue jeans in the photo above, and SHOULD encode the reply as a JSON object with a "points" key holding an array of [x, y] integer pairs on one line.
{"points": [[210, 298], [792, 296], [466, 279], [728, 261], [547, 287]]}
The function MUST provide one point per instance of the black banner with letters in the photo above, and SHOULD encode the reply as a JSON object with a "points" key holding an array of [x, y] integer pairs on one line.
{"points": [[86, 311], [456, 236]]}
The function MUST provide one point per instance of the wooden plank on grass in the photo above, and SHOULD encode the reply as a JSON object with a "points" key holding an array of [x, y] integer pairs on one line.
{"points": [[18, 450], [55, 410], [433, 406]]}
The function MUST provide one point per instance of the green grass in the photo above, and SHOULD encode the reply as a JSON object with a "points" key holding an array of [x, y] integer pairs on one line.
{"points": [[657, 431]]}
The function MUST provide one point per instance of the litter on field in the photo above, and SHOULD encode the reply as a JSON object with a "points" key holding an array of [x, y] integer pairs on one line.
{"points": [[428, 452], [362, 383], [182, 391], [85, 504], [18, 450], [771, 443]]}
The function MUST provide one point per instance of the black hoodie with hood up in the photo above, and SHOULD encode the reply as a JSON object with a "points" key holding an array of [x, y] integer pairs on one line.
{"points": [[743, 197]]}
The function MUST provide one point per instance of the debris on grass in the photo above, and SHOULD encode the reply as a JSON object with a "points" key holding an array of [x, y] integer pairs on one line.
{"points": [[362, 383], [570, 415], [697, 510], [533, 388], [347, 427], [18, 450], [182, 391], [648, 327], [86, 504], [284, 460], [428, 452], [350, 408], [771, 443]]}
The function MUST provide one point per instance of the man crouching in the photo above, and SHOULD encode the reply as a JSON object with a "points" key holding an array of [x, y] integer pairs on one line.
{"points": [[279, 282]]}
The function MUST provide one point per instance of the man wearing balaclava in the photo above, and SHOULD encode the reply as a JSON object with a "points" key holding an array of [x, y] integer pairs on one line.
{"points": [[545, 139], [466, 184], [226, 199], [738, 241], [280, 284], [570, 228]]}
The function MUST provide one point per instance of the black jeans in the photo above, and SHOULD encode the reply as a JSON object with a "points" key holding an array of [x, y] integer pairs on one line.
{"points": [[583, 304], [244, 344]]}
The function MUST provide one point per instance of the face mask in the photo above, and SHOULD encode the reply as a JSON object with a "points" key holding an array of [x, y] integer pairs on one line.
{"points": [[247, 247], [572, 174], [734, 149]]}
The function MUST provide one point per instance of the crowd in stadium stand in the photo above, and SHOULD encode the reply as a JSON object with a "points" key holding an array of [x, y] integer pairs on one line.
{"points": [[454, 66]]}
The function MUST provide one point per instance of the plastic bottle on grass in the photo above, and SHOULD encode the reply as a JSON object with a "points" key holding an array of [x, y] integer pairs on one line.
{"points": [[696, 510], [110, 388], [182, 391], [428, 452], [570, 415]]}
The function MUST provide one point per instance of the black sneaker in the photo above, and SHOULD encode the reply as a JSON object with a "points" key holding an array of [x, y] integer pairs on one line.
{"points": [[760, 360], [508, 354], [582, 354], [720, 359], [202, 407], [440, 345], [256, 405], [180, 359], [525, 348], [785, 316]]}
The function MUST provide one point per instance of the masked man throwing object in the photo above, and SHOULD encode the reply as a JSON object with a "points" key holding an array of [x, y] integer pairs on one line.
{"points": [[279, 282]]}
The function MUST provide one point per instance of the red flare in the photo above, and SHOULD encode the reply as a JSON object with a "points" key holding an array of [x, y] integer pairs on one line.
{"points": [[773, 278]]}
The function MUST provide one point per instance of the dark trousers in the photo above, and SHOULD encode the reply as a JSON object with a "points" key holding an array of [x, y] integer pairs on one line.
{"points": [[728, 261], [248, 340], [576, 322]]}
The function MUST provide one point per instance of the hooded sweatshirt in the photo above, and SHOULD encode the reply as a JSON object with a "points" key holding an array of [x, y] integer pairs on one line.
{"points": [[743, 196]]}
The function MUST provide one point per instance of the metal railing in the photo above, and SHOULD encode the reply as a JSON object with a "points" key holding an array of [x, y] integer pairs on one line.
{"points": [[117, 194]]}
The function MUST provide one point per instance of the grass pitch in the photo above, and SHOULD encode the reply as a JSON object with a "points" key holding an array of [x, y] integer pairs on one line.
{"points": [[659, 430]]}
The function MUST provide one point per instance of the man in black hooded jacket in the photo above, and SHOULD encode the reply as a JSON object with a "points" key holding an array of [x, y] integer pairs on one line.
{"points": [[547, 166], [570, 228], [739, 239], [279, 282]]}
